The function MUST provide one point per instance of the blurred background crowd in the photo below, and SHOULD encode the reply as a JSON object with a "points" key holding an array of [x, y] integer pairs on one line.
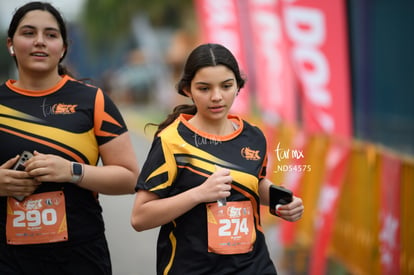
{"points": [[132, 49]]}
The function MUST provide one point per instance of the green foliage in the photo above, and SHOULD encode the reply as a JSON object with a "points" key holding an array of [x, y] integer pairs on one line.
{"points": [[7, 61], [107, 20]]}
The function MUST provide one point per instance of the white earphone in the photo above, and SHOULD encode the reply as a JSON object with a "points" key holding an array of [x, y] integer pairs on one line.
{"points": [[11, 50]]}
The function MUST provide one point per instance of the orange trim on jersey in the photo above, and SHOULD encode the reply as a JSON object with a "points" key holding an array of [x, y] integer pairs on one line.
{"points": [[49, 144], [101, 115], [10, 83], [184, 118], [254, 205], [193, 170], [264, 166]]}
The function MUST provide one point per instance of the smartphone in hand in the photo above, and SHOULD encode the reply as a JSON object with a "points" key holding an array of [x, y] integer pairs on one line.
{"points": [[26, 155], [278, 195]]}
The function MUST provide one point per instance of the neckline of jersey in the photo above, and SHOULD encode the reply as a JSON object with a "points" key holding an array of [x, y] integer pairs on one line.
{"points": [[34, 93], [184, 118]]}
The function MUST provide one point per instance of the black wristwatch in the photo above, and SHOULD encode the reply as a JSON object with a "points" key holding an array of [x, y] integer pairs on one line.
{"points": [[77, 172]]}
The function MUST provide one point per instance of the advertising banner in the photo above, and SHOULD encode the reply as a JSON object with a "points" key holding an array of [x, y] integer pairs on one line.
{"points": [[219, 22], [336, 165], [274, 81], [390, 209], [319, 50]]}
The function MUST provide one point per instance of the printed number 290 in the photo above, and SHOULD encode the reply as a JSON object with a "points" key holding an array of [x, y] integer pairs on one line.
{"points": [[35, 218], [240, 226]]}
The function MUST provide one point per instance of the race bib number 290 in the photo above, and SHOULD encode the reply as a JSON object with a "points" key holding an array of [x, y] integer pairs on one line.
{"points": [[231, 227], [40, 218]]}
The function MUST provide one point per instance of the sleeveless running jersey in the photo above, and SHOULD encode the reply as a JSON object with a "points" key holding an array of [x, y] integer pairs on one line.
{"points": [[71, 120], [180, 158]]}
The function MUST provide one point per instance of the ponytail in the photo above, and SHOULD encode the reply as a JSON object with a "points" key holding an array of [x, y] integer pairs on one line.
{"points": [[180, 109], [62, 70]]}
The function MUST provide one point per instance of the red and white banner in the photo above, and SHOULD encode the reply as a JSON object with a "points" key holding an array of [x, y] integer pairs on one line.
{"points": [[319, 48], [390, 199], [274, 81], [336, 164], [219, 22]]}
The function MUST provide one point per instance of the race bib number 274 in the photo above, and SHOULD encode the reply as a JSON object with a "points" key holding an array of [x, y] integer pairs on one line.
{"points": [[230, 228]]}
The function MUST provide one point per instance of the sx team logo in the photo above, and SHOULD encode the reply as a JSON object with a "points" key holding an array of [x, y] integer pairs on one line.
{"points": [[237, 212], [63, 109], [290, 154], [250, 154], [58, 108], [33, 204]]}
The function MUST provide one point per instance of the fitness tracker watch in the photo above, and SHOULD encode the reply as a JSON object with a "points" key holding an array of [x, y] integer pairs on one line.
{"points": [[77, 172]]}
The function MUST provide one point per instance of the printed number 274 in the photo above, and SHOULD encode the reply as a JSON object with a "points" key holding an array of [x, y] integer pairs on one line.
{"points": [[236, 225]]}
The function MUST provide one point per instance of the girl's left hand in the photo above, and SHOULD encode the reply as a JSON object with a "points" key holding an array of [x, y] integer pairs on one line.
{"points": [[292, 211], [48, 168]]}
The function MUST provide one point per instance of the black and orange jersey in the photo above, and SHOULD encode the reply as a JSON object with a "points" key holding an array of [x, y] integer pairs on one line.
{"points": [[181, 157], [71, 120]]}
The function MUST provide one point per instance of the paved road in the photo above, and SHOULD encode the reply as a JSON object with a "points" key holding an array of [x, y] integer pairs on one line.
{"points": [[133, 253]]}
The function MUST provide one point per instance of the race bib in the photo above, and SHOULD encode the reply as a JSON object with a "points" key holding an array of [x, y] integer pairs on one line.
{"points": [[40, 218], [231, 227]]}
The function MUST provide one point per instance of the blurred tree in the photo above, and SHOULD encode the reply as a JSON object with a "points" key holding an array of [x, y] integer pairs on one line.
{"points": [[108, 20], [6, 61]]}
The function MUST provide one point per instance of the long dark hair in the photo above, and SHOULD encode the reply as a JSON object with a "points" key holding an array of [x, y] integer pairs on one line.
{"points": [[205, 55], [23, 10]]}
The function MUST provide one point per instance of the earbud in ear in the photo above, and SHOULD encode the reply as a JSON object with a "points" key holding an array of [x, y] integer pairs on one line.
{"points": [[11, 50]]}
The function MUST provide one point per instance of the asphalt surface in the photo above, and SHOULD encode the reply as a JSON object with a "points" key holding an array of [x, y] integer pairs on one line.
{"points": [[132, 253]]}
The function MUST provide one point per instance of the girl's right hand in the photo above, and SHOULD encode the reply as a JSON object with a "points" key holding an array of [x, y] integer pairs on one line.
{"points": [[15, 183], [217, 186]]}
